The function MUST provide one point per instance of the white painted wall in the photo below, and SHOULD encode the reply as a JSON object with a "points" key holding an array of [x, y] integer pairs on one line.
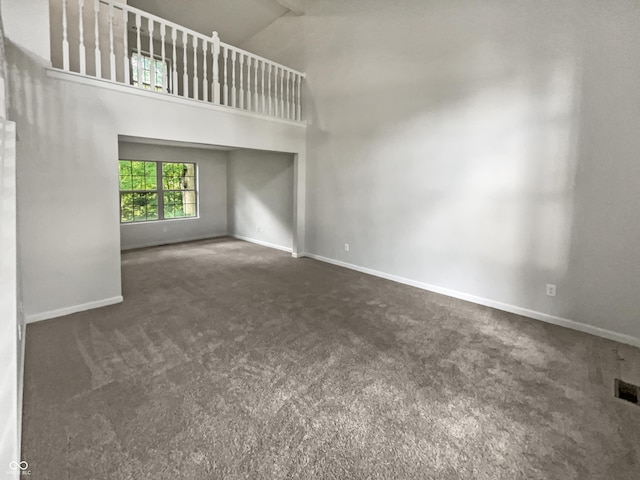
{"points": [[212, 197], [483, 149], [10, 342], [11, 318], [26, 23], [260, 197], [68, 225]]}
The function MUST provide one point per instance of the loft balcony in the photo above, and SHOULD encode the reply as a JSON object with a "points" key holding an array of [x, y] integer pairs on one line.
{"points": [[117, 43]]}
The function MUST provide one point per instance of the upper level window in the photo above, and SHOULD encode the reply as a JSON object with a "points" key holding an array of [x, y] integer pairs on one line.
{"points": [[147, 66], [157, 190]]}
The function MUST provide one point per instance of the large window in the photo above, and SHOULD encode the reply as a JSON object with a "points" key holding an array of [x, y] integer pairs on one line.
{"points": [[156, 190], [148, 66]]}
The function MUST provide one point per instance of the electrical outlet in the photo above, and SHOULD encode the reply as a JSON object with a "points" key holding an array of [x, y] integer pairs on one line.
{"points": [[346, 247], [257, 228], [551, 290]]}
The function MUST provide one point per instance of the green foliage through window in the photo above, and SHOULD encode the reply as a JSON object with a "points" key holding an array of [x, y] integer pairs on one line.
{"points": [[156, 190]]}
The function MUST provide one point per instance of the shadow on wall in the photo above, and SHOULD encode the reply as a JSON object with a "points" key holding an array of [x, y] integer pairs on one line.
{"points": [[260, 188], [494, 172], [67, 196], [604, 259], [450, 161]]}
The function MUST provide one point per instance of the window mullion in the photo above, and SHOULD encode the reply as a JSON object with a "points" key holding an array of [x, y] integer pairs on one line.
{"points": [[160, 190], [137, 200]]}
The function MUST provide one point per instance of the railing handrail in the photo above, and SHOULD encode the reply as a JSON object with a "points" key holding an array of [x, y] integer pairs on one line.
{"points": [[168, 23], [258, 57], [194, 33], [201, 67]]}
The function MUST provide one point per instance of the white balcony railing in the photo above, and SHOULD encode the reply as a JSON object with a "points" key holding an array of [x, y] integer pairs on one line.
{"points": [[119, 43]]}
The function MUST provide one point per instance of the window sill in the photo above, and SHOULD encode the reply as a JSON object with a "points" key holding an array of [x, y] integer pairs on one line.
{"points": [[164, 220]]}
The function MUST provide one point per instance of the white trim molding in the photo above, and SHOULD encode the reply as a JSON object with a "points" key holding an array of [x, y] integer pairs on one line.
{"points": [[261, 242], [23, 346], [73, 309], [544, 317], [160, 243], [74, 77]]}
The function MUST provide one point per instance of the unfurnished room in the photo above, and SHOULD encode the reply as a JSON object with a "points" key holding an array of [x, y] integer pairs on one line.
{"points": [[320, 239]]}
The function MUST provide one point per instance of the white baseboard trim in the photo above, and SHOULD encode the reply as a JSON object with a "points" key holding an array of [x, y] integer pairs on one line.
{"points": [[525, 312], [260, 242], [159, 243], [23, 342], [74, 309]]}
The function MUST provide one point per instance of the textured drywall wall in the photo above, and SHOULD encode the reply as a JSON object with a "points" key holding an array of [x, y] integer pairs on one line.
{"points": [[483, 148], [10, 342], [26, 23], [261, 190]]}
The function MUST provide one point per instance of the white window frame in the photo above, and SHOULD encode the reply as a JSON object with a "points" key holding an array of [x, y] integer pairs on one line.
{"points": [[160, 191], [165, 88]]}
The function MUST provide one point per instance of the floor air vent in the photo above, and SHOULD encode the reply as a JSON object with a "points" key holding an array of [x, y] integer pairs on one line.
{"points": [[627, 391]]}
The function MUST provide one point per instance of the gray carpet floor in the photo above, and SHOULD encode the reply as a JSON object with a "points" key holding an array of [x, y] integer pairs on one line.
{"points": [[228, 360]]}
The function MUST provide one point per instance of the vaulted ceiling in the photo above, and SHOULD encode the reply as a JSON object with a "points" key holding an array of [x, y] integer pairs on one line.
{"points": [[234, 20]]}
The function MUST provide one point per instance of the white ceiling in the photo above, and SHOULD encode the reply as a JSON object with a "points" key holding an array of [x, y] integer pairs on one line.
{"points": [[234, 20]]}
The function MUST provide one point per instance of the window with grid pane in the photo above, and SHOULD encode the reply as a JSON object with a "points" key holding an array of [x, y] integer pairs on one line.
{"points": [[157, 190], [148, 65]]}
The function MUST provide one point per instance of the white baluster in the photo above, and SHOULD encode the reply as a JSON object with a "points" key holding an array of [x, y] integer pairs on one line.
{"points": [[195, 67], [185, 75], [234, 92], [174, 61], [65, 38], [163, 49], [81, 50], [241, 89], [98, 56], [292, 114], [298, 105], [269, 91], [288, 94], [279, 92], [264, 103], [139, 52], [255, 85], [205, 89], [112, 53], [226, 76], [152, 68], [215, 51], [125, 21], [275, 91], [293, 95], [248, 83], [282, 93], [285, 93]]}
